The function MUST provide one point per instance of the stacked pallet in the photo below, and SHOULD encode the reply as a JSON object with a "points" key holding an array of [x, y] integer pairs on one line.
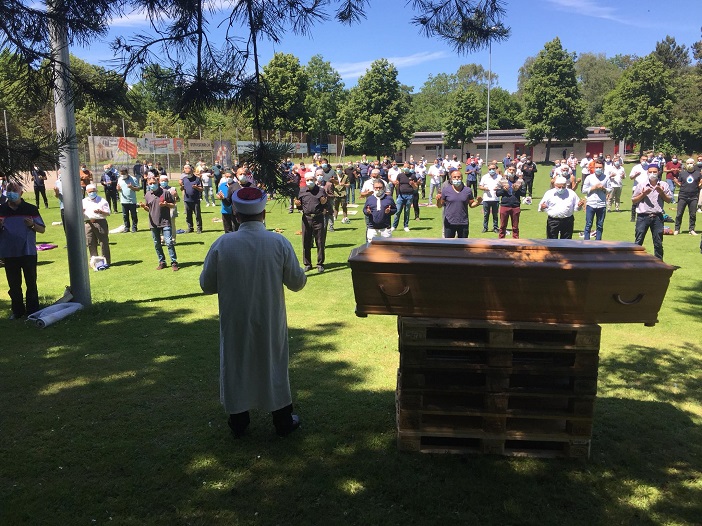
{"points": [[468, 386]]}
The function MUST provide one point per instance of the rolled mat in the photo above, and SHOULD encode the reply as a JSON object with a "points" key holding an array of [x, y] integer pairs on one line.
{"points": [[52, 314]]}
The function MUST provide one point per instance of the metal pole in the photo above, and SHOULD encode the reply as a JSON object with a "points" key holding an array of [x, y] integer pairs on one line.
{"points": [[69, 165], [93, 160], [180, 158], [487, 124], [153, 136]]}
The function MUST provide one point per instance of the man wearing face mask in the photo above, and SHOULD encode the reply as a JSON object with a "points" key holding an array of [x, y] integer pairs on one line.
{"points": [[616, 175], [19, 223], [511, 189], [455, 198], [595, 187], [127, 187], [379, 209], [489, 183], [699, 167], [639, 175], [672, 170], [158, 203], [436, 174], [327, 171], [689, 180], [95, 210], [191, 187], [313, 203], [405, 185], [648, 198], [560, 203], [368, 186]]}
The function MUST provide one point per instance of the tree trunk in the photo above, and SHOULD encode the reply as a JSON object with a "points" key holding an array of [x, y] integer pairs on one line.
{"points": [[548, 150]]}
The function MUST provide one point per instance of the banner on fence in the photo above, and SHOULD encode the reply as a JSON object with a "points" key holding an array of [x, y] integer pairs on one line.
{"points": [[199, 145], [159, 145], [111, 150], [223, 153]]}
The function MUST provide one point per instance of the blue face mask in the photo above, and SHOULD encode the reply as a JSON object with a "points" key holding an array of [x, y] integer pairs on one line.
{"points": [[153, 187], [92, 195], [456, 182], [492, 172], [164, 184], [13, 196], [644, 165], [598, 171], [325, 166]]}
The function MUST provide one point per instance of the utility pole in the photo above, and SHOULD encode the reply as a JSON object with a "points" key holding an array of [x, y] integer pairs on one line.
{"points": [[68, 163]]}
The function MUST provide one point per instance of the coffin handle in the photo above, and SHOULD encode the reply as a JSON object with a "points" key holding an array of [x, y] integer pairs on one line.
{"points": [[621, 301], [404, 291]]}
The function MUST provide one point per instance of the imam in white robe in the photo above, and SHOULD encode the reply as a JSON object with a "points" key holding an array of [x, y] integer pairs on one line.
{"points": [[247, 269]]}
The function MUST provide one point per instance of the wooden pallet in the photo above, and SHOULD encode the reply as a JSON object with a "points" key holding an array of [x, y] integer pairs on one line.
{"points": [[519, 359], [532, 446], [515, 335], [501, 380], [516, 404]]}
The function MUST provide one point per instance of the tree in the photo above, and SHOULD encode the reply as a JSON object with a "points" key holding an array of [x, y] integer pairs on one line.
{"points": [[553, 105], [505, 109], [464, 119], [376, 116], [432, 102], [639, 106], [685, 133], [468, 74], [672, 55], [325, 96], [285, 83], [597, 77]]}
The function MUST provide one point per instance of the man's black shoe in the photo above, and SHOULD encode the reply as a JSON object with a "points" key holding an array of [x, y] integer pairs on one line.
{"points": [[285, 431]]}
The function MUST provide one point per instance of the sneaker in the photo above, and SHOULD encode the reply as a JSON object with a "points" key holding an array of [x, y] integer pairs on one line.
{"points": [[392, 229], [407, 229], [331, 228], [320, 269], [346, 220], [175, 267], [308, 268], [484, 230], [581, 235], [495, 231], [676, 232], [199, 231], [15, 317], [161, 265], [693, 233]]}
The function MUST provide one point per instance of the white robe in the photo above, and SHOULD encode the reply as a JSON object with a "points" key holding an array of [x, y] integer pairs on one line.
{"points": [[248, 269]]}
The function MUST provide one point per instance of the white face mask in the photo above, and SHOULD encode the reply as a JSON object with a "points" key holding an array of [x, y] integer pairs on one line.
{"points": [[379, 193], [310, 183]]}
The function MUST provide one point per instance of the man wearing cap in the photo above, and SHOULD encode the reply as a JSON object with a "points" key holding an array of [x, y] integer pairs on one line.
{"points": [[560, 203], [313, 203], [19, 223], [95, 210], [648, 198], [158, 202], [253, 347], [689, 180]]}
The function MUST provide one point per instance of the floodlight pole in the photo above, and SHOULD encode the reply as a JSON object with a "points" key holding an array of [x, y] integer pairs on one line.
{"points": [[68, 163], [487, 123]]}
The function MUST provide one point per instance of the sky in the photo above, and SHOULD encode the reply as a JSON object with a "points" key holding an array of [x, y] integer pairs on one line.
{"points": [[597, 26]]}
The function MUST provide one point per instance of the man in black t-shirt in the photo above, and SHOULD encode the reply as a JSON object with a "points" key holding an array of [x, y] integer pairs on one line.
{"points": [[191, 187], [689, 180]]}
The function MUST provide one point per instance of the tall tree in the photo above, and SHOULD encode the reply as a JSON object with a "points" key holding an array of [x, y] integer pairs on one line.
{"points": [[505, 109], [464, 119], [324, 98], [432, 102], [597, 77], [685, 133], [375, 118], [671, 54], [286, 83], [639, 106], [553, 105]]}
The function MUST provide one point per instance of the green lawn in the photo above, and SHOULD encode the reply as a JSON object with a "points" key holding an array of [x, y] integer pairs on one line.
{"points": [[112, 416]]}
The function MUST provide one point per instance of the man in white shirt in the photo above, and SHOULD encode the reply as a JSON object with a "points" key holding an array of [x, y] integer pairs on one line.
{"points": [[489, 183], [616, 174], [595, 187], [95, 210], [560, 203], [436, 174]]}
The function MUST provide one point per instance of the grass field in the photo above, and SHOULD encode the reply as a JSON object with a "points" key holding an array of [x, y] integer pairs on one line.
{"points": [[112, 416]]}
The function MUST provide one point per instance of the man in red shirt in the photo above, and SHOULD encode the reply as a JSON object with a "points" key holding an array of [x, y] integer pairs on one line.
{"points": [[672, 170]]}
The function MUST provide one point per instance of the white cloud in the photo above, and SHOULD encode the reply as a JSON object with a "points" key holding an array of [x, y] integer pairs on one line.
{"points": [[586, 8], [352, 70], [132, 19]]}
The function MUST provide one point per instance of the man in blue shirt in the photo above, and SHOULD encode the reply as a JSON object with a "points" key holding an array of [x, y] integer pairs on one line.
{"points": [[19, 224]]}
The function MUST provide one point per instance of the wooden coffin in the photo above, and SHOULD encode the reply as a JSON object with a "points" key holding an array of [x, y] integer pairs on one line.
{"points": [[550, 281]]}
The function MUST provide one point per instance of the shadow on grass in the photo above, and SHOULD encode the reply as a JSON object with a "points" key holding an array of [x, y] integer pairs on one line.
{"points": [[691, 299], [128, 262], [113, 415]]}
